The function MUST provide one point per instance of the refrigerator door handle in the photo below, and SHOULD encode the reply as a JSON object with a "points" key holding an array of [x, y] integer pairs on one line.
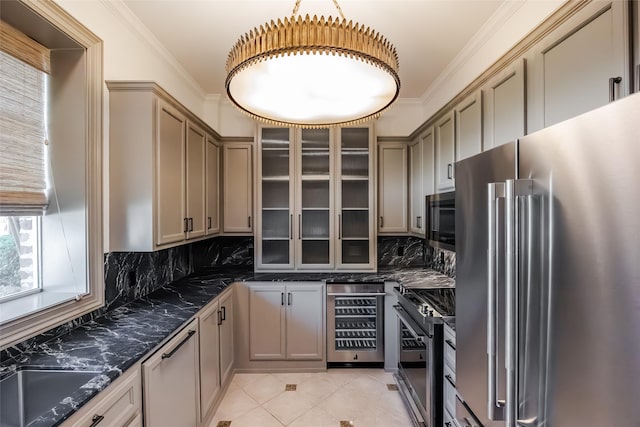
{"points": [[495, 407], [513, 190]]}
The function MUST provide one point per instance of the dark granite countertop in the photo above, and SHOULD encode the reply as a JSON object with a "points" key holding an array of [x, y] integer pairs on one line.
{"points": [[116, 341]]}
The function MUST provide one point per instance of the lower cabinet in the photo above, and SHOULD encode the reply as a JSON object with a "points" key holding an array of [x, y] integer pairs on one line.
{"points": [[286, 321], [171, 381], [216, 350], [449, 381], [117, 405]]}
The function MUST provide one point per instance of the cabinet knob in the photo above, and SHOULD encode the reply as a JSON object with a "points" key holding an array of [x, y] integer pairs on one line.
{"points": [[96, 419]]}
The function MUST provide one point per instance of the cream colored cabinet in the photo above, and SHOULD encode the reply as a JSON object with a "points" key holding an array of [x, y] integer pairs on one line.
{"points": [[118, 405], [445, 152], [170, 175], [468, 120], [581, 65], [428, 161], [171, 381], [226, 336], [416, 201], [286, 321], [209, 323], [158, 170], [355, 199], [196, 157], [215, 323], [238, 188], [212, 187], [295, 196], [392, 188], [504, 106]]}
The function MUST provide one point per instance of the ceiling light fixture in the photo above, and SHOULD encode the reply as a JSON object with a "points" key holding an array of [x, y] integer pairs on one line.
{"points": [[312, 73]]}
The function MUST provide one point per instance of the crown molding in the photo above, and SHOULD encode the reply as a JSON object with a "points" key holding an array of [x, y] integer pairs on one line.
{"points": [[496, 21], [122, 12]]}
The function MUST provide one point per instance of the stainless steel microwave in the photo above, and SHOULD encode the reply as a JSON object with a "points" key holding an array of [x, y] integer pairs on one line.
{"points": [[441, 220]]}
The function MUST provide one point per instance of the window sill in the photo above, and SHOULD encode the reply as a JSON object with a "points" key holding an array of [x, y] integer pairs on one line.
{"points": [[29, 304]]}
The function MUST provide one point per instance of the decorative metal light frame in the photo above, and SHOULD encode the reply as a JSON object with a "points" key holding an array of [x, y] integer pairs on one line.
{"points": [[259, 60]]}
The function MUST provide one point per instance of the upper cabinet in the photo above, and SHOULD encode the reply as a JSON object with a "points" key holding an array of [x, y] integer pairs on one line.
{"points": [[238, 188], [445, 152], [355, 197], [297, 198], [581, 65], [416, 176], [162, 173], [505, 106], [468, 119], [212, 186], [392, 187]]}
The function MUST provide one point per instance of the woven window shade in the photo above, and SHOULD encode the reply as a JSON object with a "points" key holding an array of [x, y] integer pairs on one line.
{"points": [[22, 136]]}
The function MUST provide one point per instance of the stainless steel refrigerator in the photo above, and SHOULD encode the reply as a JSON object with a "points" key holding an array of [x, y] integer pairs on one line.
{"points": [[548, 276]]}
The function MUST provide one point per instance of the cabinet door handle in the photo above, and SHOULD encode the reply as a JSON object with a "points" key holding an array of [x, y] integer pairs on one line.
{"points": [[96, 419], [299, 226], [224, 313], [186, 225], [613, 81], [381, 222], [219, 318], [418, 221], [190, 224], [450, 344], [209, 225], [172, 352], [289, 298], [281, 298], [249, 221], [449, 171], [291, 226], [339, 226], [448, 378]]}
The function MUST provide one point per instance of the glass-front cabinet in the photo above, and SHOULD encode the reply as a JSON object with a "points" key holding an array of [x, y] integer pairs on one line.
{"points": [[355, 199], [275, 198], [314, 198]]}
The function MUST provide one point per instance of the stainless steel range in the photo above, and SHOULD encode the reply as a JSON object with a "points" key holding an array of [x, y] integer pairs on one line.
{"points": [[420, 362]]}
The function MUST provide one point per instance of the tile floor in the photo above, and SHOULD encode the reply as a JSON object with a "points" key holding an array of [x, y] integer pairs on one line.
{"points": [[335, 398]]}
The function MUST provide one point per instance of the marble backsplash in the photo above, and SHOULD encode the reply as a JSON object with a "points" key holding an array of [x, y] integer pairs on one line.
{"points": [[441, 260], [400, 251]]}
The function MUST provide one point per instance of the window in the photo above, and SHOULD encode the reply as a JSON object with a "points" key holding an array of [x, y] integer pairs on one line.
{"points": [[51, 258]]}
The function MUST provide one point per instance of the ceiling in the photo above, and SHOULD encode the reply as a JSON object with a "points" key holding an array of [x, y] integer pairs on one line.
{"points": [[428, 34]]}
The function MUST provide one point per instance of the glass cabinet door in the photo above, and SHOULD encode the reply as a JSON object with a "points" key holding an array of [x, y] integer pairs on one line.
{"points": [[275, 199], [315, 199], [354, 217]]}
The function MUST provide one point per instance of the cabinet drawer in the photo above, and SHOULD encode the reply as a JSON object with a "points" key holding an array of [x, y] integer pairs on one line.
{"points": [[449, 390], [449, 347], [449, 420], [117, 404]]}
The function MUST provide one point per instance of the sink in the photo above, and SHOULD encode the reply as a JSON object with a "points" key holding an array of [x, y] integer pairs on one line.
{"points": [[28, 393]]}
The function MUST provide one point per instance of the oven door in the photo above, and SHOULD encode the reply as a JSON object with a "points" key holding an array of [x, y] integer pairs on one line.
{"points": [[413, 366]]}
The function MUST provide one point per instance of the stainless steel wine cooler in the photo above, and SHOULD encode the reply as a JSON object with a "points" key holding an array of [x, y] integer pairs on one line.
{"points": [[355, 324]]}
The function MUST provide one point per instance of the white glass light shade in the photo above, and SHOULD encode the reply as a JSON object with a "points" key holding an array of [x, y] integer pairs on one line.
{"points": [[313, 89]]}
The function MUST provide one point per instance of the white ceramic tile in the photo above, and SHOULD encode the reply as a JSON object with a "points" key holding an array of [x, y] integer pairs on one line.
{"points": [[264, 388], [315, 417], [345, 405], [289, 406], [318, 387], [258, 417], [234, 404], [244, 380]]}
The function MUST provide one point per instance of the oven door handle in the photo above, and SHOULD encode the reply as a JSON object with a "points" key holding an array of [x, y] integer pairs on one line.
{"points": [[356, 294], [411, 326]]}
